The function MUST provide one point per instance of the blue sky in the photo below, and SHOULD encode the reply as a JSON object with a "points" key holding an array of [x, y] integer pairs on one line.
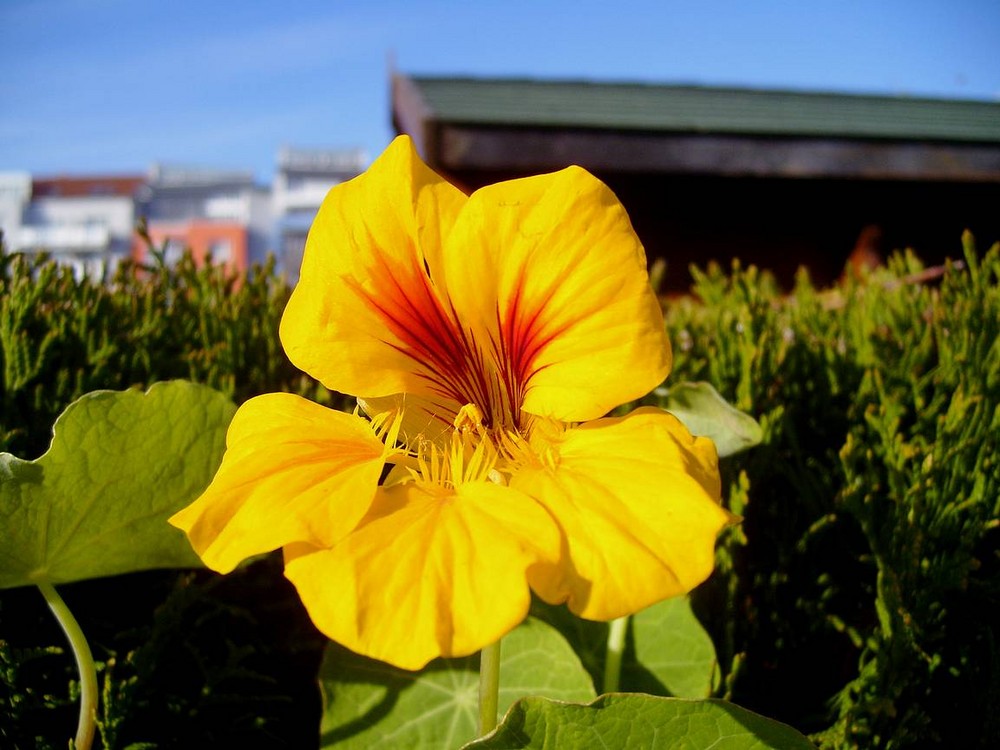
{"points": [[109, 86]]}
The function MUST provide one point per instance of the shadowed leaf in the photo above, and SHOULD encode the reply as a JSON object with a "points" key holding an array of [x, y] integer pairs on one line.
{"points": [[637, 722], [120, 463], [704, 412], [369, 704]]}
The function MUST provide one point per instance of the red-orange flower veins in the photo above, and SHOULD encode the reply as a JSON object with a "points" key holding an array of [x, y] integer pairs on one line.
{"points": [[522, 337], [447, 355]]}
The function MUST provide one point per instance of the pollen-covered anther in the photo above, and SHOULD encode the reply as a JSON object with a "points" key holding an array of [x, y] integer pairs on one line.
{"points": [[537, 446], [469, 420]]}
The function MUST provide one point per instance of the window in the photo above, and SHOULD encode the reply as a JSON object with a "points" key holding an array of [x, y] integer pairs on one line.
{"points": [[173, 250], [221, 251]]}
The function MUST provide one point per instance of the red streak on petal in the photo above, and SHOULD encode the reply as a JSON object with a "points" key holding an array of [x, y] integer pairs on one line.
{"points": [[522, 338], [447, 356]]}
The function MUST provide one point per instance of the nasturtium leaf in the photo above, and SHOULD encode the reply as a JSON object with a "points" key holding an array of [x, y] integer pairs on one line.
{"points": [[120, 463], [671, 645], [628, 721], [368, 704], [588, 638], [704, 412]]}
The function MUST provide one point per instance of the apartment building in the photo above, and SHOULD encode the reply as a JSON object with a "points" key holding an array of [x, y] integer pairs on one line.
{"points": [[85, 222], [301, 182], [222, 216], [15, 194]]}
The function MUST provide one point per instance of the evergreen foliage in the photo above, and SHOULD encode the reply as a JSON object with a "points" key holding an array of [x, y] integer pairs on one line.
{"points": [[859, 599], [61, 337], [249, 672]]}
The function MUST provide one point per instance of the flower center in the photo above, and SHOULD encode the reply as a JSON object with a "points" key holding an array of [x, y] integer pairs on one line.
{"points": [[468, 455]]}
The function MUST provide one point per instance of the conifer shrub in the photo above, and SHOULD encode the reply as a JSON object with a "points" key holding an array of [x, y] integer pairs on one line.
{"points": [[185, 660], [858, 600], [61, 337]]}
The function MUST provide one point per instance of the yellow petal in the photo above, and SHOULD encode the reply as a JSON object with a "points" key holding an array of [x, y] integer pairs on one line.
{"points": [[637, 499], [429, 573], [365, 317], [549, 269], [293, 471]]}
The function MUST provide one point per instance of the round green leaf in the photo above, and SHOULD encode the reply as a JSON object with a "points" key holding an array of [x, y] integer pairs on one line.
{"points": [[627, 721], [368, 704], [120, 463], [672, 646], [587, 638], [704, 412]]}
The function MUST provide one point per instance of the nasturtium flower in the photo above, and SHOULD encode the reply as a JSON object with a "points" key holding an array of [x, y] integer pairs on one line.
{"points": [[486, 337]]}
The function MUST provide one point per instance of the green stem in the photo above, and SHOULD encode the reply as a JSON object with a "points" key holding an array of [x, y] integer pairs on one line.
{"points": [[84, 663], [616, 649], [489, 687]]}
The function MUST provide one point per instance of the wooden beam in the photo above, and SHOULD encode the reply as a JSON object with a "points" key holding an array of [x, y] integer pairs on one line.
{"points": [[511, 149]]}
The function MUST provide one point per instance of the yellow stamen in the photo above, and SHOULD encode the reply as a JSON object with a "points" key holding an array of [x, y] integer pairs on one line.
{"points": [[469, 419], [466, 458], [537, 446]]}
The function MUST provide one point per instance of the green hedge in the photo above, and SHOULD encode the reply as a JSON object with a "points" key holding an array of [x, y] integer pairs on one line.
{"points": [[185, 660], [858, 600], [61, 337]]}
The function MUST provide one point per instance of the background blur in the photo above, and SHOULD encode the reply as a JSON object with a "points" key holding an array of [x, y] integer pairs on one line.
{"points": [[224, 124], [113, 85]]}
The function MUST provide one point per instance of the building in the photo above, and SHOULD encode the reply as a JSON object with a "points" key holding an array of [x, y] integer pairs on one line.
{"points": [[222, 215], [776, 178], [302, 180], [85, 222], [15, 194]]}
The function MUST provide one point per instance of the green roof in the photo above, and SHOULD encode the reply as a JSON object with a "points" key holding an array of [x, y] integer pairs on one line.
{"points": [[694, 109]]}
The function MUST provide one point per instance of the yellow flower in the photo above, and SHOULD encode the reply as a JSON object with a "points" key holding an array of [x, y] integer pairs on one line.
{"points": [[485, 336]]}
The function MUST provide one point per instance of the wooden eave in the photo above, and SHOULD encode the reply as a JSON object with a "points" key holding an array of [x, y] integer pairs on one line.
{"points": [[466, 140]]}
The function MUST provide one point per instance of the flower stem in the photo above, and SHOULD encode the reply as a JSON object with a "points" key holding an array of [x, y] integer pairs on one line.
{"points": [[489, 687], [616, 649], [84, 663]]}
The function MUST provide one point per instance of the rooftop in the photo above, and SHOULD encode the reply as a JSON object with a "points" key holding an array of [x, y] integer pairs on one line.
{"points": [[697, 109], [353, 160], [78, 187], [476, 129], [171, 176]]}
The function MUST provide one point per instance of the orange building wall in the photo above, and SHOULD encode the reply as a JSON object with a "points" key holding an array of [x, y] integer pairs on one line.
{"points": [[199, 236]]}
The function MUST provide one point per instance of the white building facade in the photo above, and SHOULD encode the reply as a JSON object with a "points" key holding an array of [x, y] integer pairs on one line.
{"points": [[83, 222], [223, 216], [301, 182]]}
